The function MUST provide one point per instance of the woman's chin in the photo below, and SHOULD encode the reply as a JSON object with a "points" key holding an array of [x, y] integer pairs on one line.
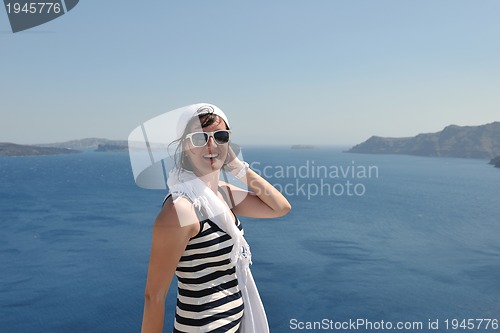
{"points": [[209, 165]]}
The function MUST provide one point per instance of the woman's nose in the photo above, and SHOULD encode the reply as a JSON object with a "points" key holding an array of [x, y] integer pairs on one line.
{"points": [[211, 142]]}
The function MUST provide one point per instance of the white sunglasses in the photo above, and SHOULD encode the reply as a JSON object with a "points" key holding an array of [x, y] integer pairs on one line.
{"points": [[200, 139]]}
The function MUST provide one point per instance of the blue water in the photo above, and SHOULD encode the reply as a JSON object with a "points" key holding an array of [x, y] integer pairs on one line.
{"points": [[420, 242]]}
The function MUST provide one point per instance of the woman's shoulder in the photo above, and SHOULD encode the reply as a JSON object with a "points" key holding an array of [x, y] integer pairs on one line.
{"points": [[178, 214]]}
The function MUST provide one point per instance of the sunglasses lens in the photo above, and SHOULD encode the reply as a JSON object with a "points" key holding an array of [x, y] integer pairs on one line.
{"points": [[221, 137], [199, 139]]}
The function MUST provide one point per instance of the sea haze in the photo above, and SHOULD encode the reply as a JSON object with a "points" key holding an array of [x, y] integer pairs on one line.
{"points": [[417, 240]]}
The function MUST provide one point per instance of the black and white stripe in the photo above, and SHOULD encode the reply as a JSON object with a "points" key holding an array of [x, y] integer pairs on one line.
{"points": [[208, 297]]}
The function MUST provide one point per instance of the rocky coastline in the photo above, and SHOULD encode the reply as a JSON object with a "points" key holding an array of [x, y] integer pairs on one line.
{"points": [[482, 142]]}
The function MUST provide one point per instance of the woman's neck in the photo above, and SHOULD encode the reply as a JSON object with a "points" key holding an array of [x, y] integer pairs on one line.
{"points": [[211, 180]]}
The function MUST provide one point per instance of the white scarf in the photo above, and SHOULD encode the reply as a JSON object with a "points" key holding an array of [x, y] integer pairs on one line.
{"points": [[182, 183]]}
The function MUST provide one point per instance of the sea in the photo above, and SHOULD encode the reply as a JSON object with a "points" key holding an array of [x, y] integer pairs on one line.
{"points": [[373, 243]]}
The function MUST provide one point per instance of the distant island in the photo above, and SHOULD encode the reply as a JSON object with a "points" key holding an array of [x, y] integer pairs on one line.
{"points": [[496, 162], [302, 147], [68, 147], [87, 144], [111, 148], [12, 149], [453, 141]]}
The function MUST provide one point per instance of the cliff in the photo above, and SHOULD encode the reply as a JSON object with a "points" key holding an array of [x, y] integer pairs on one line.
{"points": [[453, 141]]}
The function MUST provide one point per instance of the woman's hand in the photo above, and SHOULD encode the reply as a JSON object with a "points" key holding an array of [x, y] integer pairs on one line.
{"points": [[233, 164], [263, 201]]}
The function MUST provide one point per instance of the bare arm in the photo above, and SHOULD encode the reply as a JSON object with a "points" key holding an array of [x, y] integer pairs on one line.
{"points": [[168, 243], [264, 201]]}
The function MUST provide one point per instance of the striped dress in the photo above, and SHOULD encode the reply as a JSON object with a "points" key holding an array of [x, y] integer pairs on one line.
{"points": [[208, 295]]}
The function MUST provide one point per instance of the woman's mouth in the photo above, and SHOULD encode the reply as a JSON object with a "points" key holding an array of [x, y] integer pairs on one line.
{"points": [[210, 156]]}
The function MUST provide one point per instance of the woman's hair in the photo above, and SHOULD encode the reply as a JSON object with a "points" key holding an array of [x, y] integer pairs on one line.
{"points": [[206, 119]]}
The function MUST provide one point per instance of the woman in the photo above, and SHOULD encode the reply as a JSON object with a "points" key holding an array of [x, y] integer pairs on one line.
{"points": [[198, 237]]}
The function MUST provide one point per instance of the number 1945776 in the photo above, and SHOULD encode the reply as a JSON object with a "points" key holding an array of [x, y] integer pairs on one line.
{"points": [[471, 324], [34, 8]]}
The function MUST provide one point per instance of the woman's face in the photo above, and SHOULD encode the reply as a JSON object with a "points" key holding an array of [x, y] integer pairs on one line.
{"points": [[210, 157]]}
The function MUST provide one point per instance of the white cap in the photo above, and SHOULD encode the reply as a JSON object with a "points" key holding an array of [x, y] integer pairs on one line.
{"points": [[195, 110]]}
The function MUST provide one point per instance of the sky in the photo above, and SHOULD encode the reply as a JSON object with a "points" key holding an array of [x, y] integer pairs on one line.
{"points": [[284, 71]]}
